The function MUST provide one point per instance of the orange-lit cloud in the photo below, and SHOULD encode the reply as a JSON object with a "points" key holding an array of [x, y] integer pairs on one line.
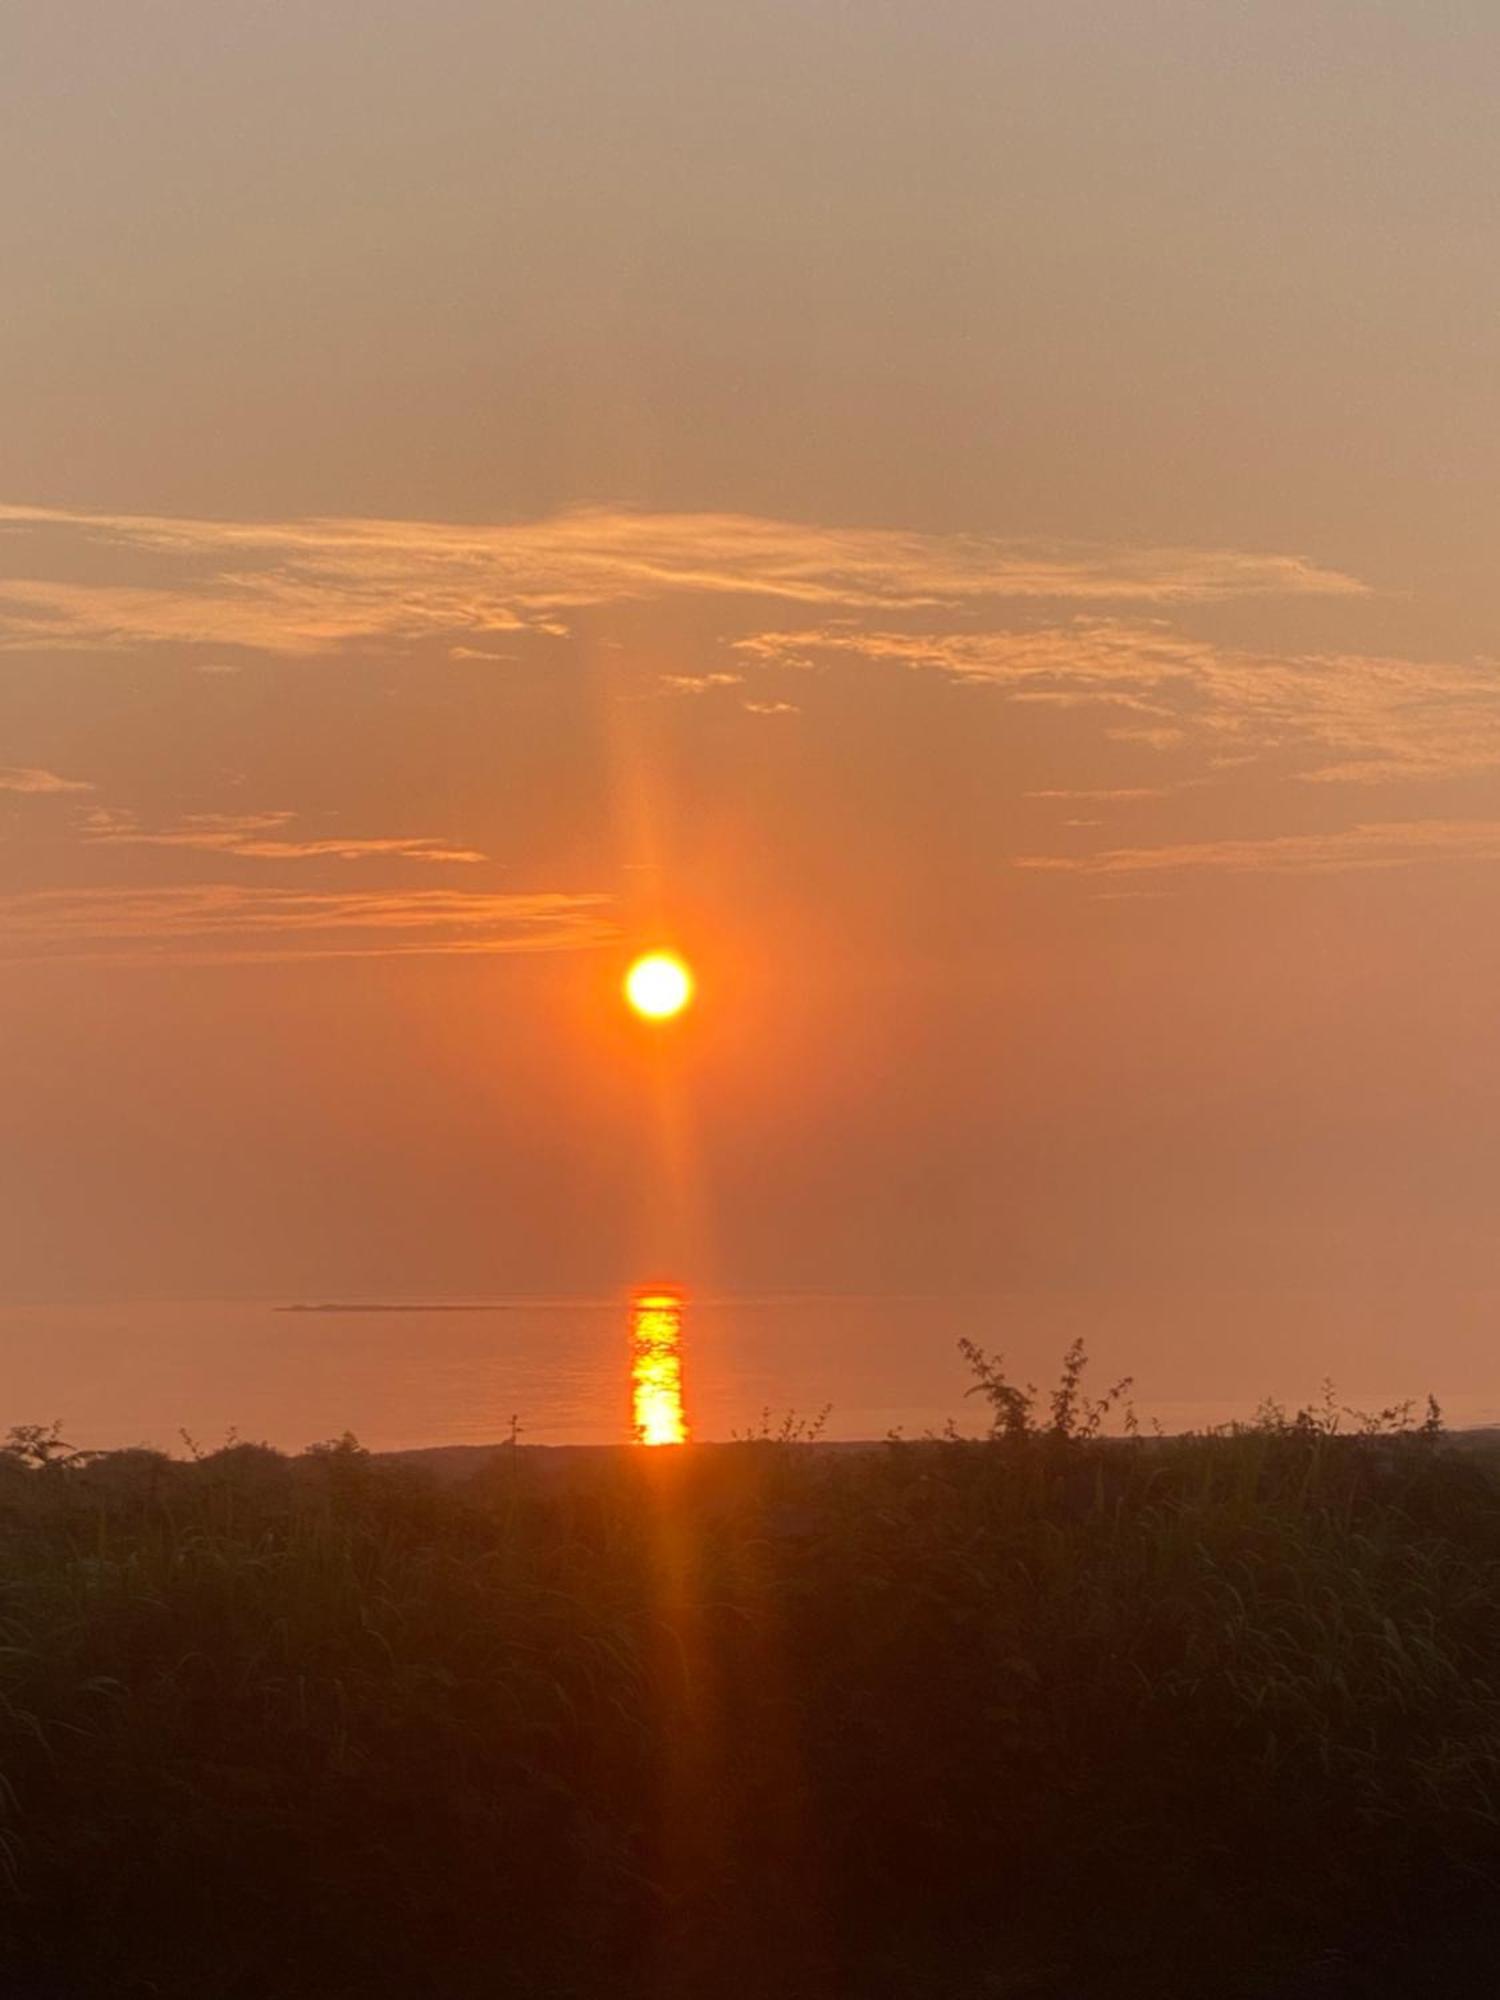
{"points": [[1160, 707], [219, 922], [1113, 794], [1340, 717], [264, 836], [1378, 845], [317, 585], [33, 782], [699, 683], [718, 682]]}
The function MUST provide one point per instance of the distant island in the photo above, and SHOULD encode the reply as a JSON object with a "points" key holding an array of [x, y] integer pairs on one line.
{"points": [[394, 1306]]}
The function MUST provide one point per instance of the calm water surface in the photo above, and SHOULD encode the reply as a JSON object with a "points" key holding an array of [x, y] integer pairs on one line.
{"points": [[430, 1373], [456, 1373]]}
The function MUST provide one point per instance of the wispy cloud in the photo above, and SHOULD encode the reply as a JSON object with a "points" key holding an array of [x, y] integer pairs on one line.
{"points": [[1379, 845], [1338, 717], [267, 837], [32, 781], [719, 682], [699, 683], [1112, 794], [317, 586], [222, 923]]}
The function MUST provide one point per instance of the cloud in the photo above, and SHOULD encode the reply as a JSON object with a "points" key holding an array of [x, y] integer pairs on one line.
{"points": [[699, 683], [34, 782], [1379, 845], [1326, 718], [223, 923], [262, 836], [1084, 656], [317, 586], [1111, 793], [696, 684]]}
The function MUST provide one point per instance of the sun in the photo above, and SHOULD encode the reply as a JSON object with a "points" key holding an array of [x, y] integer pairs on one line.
{"points": [[659, 985]]}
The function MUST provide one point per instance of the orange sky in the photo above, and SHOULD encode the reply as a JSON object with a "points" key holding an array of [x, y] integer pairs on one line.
{"points": [[974, 521]]}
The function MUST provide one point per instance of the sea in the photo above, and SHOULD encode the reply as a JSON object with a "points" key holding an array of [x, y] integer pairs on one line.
{"points": [[401, 1373]]}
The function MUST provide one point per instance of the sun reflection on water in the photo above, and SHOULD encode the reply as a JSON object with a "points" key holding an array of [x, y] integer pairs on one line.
{"points": [[656, 1367]]}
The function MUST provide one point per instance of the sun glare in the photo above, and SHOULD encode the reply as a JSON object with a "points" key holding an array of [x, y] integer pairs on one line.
{"points": [[656, 1368], [659, 985]]}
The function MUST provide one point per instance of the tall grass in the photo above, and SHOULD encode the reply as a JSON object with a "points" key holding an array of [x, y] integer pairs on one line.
{"points": [[1045, 1711]]}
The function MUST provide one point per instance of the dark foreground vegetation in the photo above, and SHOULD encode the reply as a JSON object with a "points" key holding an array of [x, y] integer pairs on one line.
{"points": [[1044, 1714]]}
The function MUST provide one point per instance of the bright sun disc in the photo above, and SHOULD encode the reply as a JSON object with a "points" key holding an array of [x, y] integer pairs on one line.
{"points": [[658, 985]]}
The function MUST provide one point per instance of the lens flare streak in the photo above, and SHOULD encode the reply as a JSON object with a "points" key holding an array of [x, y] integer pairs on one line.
{"points": [[656, 1368]]}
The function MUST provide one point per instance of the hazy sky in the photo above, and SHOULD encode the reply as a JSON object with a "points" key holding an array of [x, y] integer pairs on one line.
{"points": [[974, 519]]}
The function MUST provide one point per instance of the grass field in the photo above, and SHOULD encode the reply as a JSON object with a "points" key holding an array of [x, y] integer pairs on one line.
{"points": [[1043, 1713]]}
